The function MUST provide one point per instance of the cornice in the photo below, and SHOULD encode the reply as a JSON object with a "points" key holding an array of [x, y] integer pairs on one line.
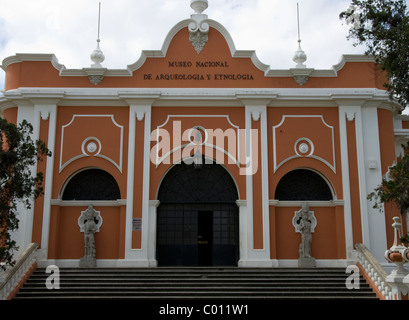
{"points": [[198, 97], [20, 57]]}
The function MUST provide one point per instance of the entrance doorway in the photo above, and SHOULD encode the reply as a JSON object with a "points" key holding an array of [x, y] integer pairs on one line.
{"points": [[197, 219], [205, 238]]}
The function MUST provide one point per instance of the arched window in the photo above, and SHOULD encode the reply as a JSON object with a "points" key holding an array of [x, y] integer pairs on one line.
{"points": [[303, 185], [92, 184], [211, 184]]}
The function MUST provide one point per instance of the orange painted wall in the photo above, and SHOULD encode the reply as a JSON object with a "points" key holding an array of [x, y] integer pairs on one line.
{"points": [[353, 74], [354, 182], [159, 117], [67, 242], [10, 115], [64, 116], [329, 237], [64, 220], [294, 131], [328, 240], [257, 195], [138, 180]]}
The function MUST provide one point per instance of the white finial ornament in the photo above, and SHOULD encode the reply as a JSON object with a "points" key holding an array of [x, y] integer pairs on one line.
{"points": [[198, 27], [199, 5], [97, 56], [299, 57]]}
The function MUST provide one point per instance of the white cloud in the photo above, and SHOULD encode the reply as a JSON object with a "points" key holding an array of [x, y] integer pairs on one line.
{"points": [[69, 29]]}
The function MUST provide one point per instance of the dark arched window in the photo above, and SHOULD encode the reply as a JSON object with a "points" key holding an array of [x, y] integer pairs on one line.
{"points": [[210, 184], [92, 184], [303, 185]]}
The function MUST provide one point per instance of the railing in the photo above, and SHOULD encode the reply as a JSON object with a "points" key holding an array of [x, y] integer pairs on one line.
{"points": [[374, 270], [11, 278]]}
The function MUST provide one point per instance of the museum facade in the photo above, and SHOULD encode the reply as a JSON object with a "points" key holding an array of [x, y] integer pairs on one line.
{"points": [[199, 154]]}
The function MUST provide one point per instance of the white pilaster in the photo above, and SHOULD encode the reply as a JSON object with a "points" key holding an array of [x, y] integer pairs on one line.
{"points": [[23, 235], [130, 181], [151, 243], [243, 233], [138, 257], [257, 257], [346, 113], [146, 218], [50, 112], [362, 176], [372, 153]]}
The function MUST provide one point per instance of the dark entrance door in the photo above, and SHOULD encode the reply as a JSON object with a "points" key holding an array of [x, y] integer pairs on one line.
{"points": [[197, 219], [205, 238]]}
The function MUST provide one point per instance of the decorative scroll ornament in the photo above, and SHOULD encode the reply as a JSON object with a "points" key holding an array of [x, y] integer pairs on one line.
{"points": [[301, 80], [198, 27], [95, 79]]}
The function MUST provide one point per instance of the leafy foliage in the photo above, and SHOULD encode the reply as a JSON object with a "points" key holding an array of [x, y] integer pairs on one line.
{"points": [[395, 185], [18, 154], [383, 26]]}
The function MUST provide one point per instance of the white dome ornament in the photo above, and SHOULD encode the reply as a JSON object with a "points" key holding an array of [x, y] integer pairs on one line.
{"points": [[300, 57], [96, 72], [301, 72], [97, 56]]}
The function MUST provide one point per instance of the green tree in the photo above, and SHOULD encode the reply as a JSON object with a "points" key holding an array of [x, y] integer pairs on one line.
{"points": [[394, 187], [18, 154], [383, 27]]}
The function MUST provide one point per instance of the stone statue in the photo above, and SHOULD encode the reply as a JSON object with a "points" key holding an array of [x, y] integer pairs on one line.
{"points": [[306, 236], [90, 227], [306, 224]]}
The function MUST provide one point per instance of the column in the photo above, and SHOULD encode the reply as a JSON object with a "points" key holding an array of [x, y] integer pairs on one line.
{"points": [[371, 168], [22, 236], [34, 114], [153, 205], [258, 245], [137, 204], [50, 112], [243, 233], [344, 114]]}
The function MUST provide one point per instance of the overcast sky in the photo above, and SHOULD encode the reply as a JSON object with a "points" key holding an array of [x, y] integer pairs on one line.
{"points": [[69, 29]]}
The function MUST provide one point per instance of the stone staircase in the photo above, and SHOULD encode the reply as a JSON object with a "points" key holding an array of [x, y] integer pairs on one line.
{"points": [[194, 283]]}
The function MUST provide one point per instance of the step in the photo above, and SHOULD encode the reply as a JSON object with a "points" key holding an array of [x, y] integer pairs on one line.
{"points": [[194, 283]]}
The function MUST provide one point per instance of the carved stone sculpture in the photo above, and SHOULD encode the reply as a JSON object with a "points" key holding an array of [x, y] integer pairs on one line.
{"points": [[305, 223], [89, 227]]}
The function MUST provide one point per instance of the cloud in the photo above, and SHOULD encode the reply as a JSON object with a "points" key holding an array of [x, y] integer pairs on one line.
{"points": [[69, 29]]}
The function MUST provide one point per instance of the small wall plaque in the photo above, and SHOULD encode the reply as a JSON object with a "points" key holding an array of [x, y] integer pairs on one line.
{"points": [[136, 224]]}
